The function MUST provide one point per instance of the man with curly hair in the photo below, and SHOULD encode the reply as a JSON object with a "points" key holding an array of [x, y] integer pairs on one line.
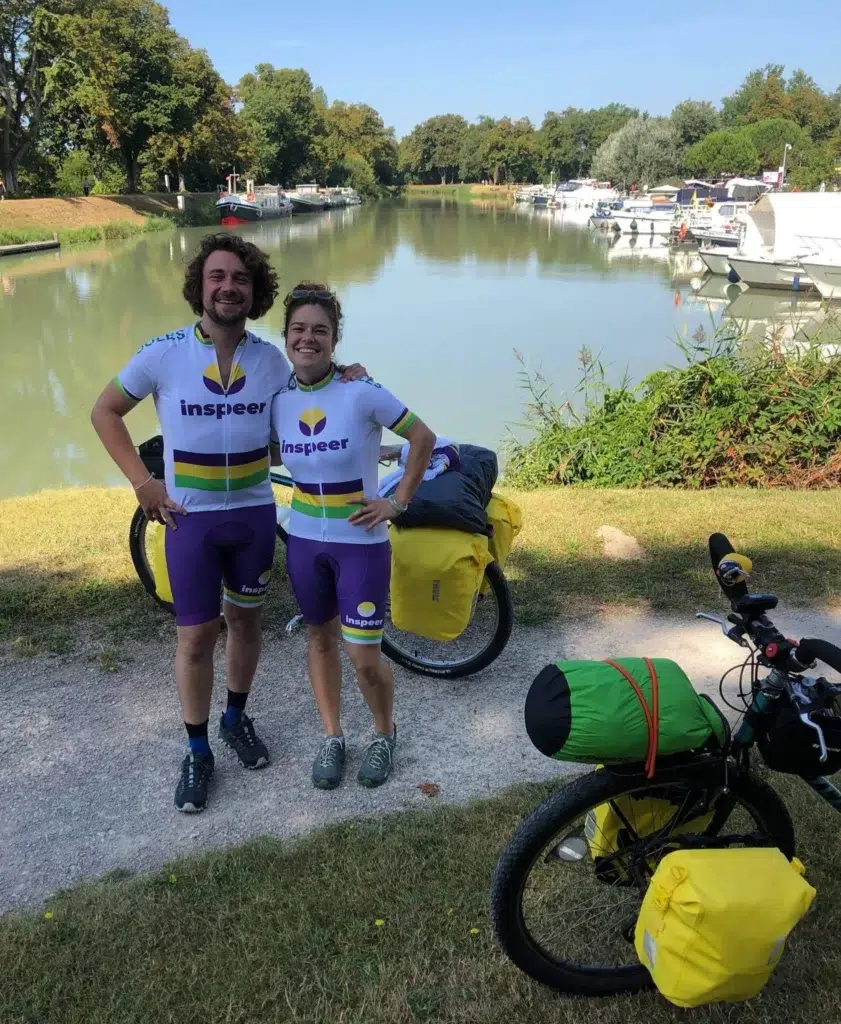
{"points": [[213, 383]]}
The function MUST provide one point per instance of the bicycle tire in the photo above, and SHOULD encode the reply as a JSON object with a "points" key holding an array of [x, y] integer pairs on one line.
{"points": [[137, 549], [546, 822], [505, 623]]}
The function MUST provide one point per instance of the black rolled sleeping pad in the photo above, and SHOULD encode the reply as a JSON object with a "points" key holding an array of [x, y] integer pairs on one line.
{"points": [[456, 500]]}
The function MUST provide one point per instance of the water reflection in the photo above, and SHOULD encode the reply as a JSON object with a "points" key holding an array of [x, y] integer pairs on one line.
{"points": [[437, 297]]}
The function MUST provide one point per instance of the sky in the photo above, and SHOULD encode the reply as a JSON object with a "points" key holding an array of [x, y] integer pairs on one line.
{"points": [[411, 62]]}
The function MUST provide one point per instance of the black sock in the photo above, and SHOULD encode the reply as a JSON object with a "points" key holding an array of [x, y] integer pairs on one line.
{"points": [[197, 737], [235, 708]]}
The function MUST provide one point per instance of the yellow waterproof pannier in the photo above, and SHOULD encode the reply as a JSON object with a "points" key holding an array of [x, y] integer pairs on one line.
{"points": [[620, 825], [435, 579], [714, 923], [163, 588], [507, 520]]}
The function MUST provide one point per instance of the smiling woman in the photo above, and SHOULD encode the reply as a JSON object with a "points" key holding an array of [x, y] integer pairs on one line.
{"points": [[328, 434]]}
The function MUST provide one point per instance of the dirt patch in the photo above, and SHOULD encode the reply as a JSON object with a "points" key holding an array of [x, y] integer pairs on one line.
{"points": [[66, 815], [82, 212]]}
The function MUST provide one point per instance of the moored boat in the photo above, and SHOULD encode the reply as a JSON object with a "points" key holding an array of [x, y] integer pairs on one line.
{"points": [[716, 258], [825, 275], [760, 270], [237, 209]]}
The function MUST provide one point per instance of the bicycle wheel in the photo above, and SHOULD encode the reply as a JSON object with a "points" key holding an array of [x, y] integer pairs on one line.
{"points": [[480, 644], [569, 925], [140, 542]]}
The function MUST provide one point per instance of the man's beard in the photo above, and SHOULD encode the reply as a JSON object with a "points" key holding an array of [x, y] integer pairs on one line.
{"points": [[223, 319]]}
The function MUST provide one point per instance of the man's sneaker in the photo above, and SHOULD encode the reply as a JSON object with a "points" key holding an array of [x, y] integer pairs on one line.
{"points": [[329, 764], [379, 760], [241, 738], [191, 792]]}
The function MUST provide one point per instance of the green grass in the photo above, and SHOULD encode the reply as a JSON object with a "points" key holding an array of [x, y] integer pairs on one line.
{"points": [[287, 932], [196, 215], [99, 233], [64, 558]]}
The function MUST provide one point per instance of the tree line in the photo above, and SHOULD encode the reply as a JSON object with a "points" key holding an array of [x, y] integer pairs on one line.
{"points": [[105, 92], [747, 134]]}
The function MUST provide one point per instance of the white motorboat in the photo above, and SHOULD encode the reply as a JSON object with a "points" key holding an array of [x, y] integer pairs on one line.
{"points": [[825, 275], [763, 270], [585, 193], [716, 258], [712, 222], [653, 220]]}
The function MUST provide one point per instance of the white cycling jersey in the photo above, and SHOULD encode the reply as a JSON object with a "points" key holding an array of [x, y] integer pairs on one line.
{"points": [[216, 439], [329, 435]]}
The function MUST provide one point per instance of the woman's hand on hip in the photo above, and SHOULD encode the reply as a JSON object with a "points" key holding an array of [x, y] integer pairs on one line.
{"points": [[373, 511], [157, 504]]}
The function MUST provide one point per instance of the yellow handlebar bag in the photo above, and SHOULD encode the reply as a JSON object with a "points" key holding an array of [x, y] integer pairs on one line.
{"points": [[435, 579], [713, 923]]}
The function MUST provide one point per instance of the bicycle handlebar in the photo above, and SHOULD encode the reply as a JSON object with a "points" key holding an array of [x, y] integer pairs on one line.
{"points": [[749, 617], [811, 649]]}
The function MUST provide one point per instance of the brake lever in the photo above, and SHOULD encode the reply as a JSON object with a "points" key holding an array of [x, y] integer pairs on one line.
{"points": [[731, 634], [806, 720]]}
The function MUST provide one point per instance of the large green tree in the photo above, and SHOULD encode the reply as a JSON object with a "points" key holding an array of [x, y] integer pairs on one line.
{"points": [[284, 118], [124, 55], [766, 94], [569, 140], [354, 132], [692, 120], [511, 150], [204, 132], [29, 53], [433, 148], [770, 137], [642, 152], [729, 151], [473, 154]]}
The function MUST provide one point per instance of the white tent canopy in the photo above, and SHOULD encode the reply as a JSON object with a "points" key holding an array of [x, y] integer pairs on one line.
{"points": [[794, 223], [666, 190]]}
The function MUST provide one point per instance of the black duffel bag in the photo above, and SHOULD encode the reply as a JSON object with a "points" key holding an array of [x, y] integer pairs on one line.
{"points": [[793, 747], [457, 499]]}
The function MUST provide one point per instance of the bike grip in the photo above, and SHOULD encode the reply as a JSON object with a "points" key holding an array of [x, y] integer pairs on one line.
{"points": [[720, 546], [812, 649]]}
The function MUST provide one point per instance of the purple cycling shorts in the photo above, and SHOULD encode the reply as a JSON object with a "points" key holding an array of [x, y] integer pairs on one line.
{"points": [[348, 580], [211, 552]]}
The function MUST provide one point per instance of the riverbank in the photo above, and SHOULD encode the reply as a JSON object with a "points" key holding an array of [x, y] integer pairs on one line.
{"points": [[64, 558], [467, 192], [99, 218]]}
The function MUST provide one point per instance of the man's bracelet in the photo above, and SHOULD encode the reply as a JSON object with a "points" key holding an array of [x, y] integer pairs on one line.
{"points": [[395, 504], [151, 476]]}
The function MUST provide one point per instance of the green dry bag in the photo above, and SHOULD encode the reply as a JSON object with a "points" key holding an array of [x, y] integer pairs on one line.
{"points": [[598, 712]]}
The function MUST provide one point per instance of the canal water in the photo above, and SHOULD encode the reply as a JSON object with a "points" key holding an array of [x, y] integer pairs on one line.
{"points": [[442, 302]]}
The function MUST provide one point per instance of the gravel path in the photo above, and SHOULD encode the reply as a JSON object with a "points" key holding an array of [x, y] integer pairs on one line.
{"points": [[88, 759]]}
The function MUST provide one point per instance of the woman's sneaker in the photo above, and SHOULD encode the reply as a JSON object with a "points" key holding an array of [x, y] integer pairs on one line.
{"points": [[329, 764], [196, 772], [246, 744], [379, 760]]}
